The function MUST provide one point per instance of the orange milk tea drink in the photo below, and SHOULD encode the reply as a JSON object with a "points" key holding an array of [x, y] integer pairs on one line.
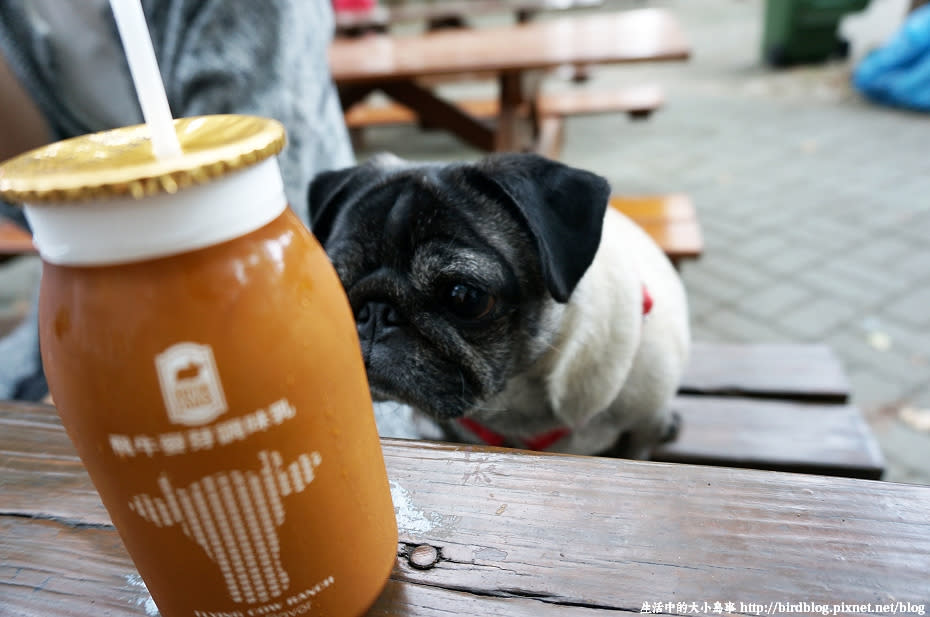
{"points": [[205, 363]]}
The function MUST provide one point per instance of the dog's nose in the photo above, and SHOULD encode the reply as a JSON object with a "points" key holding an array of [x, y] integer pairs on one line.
{"points": [[376, 318]]}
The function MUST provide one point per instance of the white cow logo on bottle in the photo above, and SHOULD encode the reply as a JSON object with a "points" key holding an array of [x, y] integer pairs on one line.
{"points": [[234, 517]]}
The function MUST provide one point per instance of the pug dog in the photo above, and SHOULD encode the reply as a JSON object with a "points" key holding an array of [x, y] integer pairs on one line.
{"points": [[505, 300]]}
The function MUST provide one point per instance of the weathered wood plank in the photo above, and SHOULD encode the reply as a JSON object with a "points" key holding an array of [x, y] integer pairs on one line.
{"points": [[772, 370], [659, 208], [14, 240], [40, 473], [53, 568], [364, 115], [522, 533], [434, 111], [775, 435], [670, 220], [406, 599], [42, 575], [564, 527], [636, 100], [639, 35]]}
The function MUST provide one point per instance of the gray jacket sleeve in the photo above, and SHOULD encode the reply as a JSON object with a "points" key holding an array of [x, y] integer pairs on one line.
{"points": [[264, 57]]}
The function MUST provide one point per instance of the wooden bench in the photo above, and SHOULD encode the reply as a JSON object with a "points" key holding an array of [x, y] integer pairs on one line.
{"points": [[552, 109], [515, 534], [14, 241], [781, 407], [638, 102], [671, 220], [365, 115]]}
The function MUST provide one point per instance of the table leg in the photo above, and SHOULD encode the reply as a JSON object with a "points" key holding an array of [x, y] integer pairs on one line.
{"points": [[518, 129], [350, 95], [434, 111], [508, 119], [551, 136]]}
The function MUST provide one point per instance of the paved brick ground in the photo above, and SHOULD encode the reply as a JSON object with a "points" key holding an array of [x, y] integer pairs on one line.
{"points": [[815, 205]]}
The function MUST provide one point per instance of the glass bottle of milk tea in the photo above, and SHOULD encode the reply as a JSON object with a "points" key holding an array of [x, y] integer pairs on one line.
{"points": [[204, 361]]}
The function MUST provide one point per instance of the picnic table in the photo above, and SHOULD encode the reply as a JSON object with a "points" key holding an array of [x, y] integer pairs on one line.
{"points": [[517, 55], [491, 531]]}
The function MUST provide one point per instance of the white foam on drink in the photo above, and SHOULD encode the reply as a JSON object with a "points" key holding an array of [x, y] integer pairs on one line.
{"points": [[137, 43]]}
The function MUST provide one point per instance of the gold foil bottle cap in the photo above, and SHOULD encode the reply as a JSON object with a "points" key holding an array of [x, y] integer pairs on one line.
{"points": [[120, 162]]}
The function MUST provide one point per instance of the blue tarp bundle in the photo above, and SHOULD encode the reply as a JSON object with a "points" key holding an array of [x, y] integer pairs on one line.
{"points": [[899, 73]]}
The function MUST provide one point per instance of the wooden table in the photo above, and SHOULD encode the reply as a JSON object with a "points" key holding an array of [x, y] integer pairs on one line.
{"points": [[517, 534], [516, 54]]}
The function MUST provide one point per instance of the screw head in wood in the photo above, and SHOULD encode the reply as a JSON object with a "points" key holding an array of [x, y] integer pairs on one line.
{"points": [[423, 557]]}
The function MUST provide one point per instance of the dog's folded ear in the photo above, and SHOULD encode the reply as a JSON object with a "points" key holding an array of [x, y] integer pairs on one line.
{"points": [[562, 207], [330, 191]]}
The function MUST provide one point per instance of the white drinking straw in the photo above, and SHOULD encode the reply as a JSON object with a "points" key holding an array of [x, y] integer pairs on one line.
{"points": [[144, 68]]}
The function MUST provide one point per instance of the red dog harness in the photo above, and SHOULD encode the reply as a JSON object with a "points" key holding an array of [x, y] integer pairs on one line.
{"points": [[544, 440], [489, 437]]}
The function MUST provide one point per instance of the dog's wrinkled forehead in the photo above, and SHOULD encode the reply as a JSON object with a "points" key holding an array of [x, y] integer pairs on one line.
{"points": [[411, 206], [414, 205], [499, 201]]}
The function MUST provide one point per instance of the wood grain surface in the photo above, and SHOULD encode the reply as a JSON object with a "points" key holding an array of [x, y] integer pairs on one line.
{"points": [[15, 240], [627, 36], [809, 372], [516, 533], [776, 435]]}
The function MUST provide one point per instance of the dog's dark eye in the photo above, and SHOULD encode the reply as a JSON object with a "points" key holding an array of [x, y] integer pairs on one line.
{"points": [[467, 302]]}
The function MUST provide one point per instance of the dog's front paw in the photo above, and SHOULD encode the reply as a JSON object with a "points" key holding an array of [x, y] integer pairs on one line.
{"points": [[672, 428], [638, 443]]}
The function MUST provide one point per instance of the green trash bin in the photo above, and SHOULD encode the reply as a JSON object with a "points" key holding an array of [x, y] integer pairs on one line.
{"points": [[798, 31]]}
